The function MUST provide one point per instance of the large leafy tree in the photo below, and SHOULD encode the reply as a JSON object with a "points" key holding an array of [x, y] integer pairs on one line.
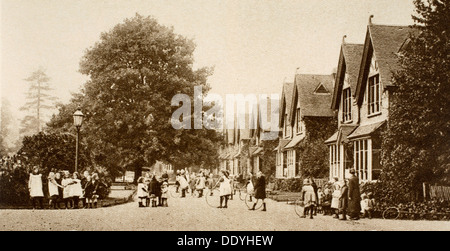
{"points": [[135, 70], [416, 144]]}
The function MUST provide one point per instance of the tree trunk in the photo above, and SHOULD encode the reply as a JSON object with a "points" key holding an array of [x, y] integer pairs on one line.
{"points": [[38, 106]]}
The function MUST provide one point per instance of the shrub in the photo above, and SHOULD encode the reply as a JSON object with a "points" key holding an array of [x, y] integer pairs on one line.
{"points": [[288, 185], [14, 186]]}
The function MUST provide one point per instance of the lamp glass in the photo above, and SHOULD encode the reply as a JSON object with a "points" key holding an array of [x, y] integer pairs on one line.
{"points": [[78, 118]]}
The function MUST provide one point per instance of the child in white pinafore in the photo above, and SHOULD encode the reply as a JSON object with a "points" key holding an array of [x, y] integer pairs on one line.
{"points": [[142, 191], [35, 188], [76, 191], [224, 189], [53, 191], [164, 193], [66, 192]]}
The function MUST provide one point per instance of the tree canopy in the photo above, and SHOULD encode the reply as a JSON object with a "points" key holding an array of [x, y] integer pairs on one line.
{"points": [[416, 144], [135, 70]]}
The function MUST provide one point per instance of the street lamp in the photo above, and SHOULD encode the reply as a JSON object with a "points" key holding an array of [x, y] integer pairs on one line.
{"points": [[77, 121]]}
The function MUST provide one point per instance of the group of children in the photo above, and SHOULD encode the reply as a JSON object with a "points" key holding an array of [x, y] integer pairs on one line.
{"points": [[195, 183], [154, 190], [328, 200], [66, 188]]}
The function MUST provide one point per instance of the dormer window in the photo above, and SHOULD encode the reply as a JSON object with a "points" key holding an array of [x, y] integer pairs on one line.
{"points": [[347, 105], [374, 95], [299, 121], [287, 128]]}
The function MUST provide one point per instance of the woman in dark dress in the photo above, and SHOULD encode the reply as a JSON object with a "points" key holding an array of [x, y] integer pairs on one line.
{"points": [[343, 200], [260, 190]]}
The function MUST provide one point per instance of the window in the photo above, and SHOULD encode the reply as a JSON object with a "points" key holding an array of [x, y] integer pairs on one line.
{"points": [[335, 160], [285, 170], [290, 163], [363, 170], [347, 105], [287, 128], [374, 95], [279, 164], [299, 121]]}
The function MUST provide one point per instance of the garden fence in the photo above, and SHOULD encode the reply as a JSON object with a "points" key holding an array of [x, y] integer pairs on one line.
{"points": [[437, 192]]}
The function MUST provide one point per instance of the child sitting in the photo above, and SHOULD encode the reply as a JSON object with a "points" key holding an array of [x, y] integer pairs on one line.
{"points": [[367, 205], [326, 202]]}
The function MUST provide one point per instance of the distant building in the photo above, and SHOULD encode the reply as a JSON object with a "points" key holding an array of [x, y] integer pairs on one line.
{"points": [[304, 111]]}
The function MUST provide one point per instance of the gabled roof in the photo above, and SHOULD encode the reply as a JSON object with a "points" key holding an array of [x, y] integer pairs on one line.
{"points": [[349, 62], [285, 101], [255, 122], [312, 103], [242, 132], [384, 41]]}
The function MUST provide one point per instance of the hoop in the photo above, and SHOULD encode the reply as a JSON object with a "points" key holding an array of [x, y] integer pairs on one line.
{"points": [[173, 192], [299, 208], [391, 213], [249, 203], [212, 197]]}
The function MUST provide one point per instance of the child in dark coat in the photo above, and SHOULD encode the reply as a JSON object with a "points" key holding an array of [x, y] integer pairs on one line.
{"points": [[154, 190]]}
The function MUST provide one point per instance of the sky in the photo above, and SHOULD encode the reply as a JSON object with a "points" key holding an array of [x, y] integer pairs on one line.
{"points": [[254, 45]]}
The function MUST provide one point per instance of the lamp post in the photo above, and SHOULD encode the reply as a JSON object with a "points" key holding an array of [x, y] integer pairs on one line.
{"points": [[77, 121]]}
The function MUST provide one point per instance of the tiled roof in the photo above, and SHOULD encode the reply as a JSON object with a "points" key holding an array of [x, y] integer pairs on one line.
{"points": [[243, 131], [332, 139], [353, 54], [341, 134], [313, 104], [286, 96], [282, 144], [254, 151], [365, 130], [295, 141], [385, 42], [256, 128], [349, 62]]}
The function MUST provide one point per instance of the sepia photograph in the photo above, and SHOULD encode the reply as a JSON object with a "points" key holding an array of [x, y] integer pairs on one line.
{"points": [[199, 116]]}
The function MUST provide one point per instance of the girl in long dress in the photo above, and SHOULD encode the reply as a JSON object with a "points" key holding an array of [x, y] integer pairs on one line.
{"points": [[201, 184], [53, 190], [184, 185], [224, 189], [336, 194], [260, 190], [309, 198], [142, 192], [35, 188], [76, 190], [67, 180], [164, 193]]}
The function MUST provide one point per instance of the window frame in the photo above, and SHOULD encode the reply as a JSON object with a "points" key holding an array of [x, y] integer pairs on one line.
{"points": [[347, 105], [299, 121], [373, 95]]}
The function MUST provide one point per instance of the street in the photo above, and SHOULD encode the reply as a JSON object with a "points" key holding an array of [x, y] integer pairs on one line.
{"points": [[194, 214]]}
